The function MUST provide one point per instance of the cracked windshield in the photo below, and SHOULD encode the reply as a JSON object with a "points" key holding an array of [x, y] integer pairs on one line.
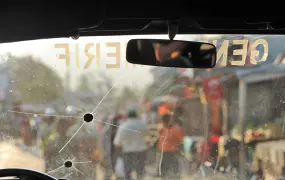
{"points": [[76, 109]]}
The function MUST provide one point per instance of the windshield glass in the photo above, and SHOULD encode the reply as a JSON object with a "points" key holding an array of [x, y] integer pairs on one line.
{"points": [[77, 109]]}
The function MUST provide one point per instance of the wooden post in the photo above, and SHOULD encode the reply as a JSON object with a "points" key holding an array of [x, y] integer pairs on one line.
{"points": [[205, 114], [241, 124], [225, 117], [206, 122]]}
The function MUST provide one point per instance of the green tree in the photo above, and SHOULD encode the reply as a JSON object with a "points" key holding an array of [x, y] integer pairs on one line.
{"points": [[95, 82], [164, 81], [99, 84], [128, 94], [33, 80], [84, 84], [127, 99]]}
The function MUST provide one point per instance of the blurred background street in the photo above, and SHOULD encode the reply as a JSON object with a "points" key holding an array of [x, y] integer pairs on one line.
{"points": [[225, 120]]}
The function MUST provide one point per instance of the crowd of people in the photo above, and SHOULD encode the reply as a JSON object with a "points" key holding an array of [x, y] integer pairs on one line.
{"points": [[128, 145], [116, 144]]}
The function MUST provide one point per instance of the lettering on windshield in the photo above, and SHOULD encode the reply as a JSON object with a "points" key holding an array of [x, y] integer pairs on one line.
{"points": [[240, 51], [95, 54], [112, 54]]}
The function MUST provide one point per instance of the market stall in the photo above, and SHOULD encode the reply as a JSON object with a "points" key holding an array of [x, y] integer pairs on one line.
{"points": [[269, 157], [160, 105], [251, 81], [259, 133], [246, 96]]}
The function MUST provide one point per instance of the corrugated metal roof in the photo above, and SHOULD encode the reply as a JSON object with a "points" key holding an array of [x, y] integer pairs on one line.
{"points": [[220, 71], [251, 74], [258, 69], [263, 77]]}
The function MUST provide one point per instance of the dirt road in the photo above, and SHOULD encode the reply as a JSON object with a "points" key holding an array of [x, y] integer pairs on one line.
{"points": [[12, 156], [15, 155]]}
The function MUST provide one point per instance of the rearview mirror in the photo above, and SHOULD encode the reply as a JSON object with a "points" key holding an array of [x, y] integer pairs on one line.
{"points": [[171, 53]]}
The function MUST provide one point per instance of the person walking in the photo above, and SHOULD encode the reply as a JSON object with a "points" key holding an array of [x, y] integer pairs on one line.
{"points": [[16, 119], [35, 121], [107, 138], [84, 147], [170, 137], [57, 159], [46, 133], [129, 140], [26, 131]]}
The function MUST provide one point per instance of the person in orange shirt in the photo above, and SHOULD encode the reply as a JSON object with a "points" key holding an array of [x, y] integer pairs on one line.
{"points": [[170, 137]]}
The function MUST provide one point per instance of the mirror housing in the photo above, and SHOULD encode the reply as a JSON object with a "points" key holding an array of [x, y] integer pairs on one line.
{"points": [[171, 53]]}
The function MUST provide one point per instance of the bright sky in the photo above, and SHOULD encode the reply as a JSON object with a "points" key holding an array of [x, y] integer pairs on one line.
{"points": [[50, 55]]}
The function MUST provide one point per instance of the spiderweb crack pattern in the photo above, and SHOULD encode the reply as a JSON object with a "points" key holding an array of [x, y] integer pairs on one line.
{"points": [[88, 118]]}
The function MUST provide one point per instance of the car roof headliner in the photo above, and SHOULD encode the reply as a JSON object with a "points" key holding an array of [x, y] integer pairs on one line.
{"points": [[46, 19]]}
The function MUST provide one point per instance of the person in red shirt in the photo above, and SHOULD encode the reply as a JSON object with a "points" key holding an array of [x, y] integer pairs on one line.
{"points": [[168, 144]]}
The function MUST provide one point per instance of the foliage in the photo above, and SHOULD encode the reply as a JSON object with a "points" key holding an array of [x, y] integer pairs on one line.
{"points": [[84, 84], [99, 83], [33, 80], [164, 81], [128, 98], [249, 125]]}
